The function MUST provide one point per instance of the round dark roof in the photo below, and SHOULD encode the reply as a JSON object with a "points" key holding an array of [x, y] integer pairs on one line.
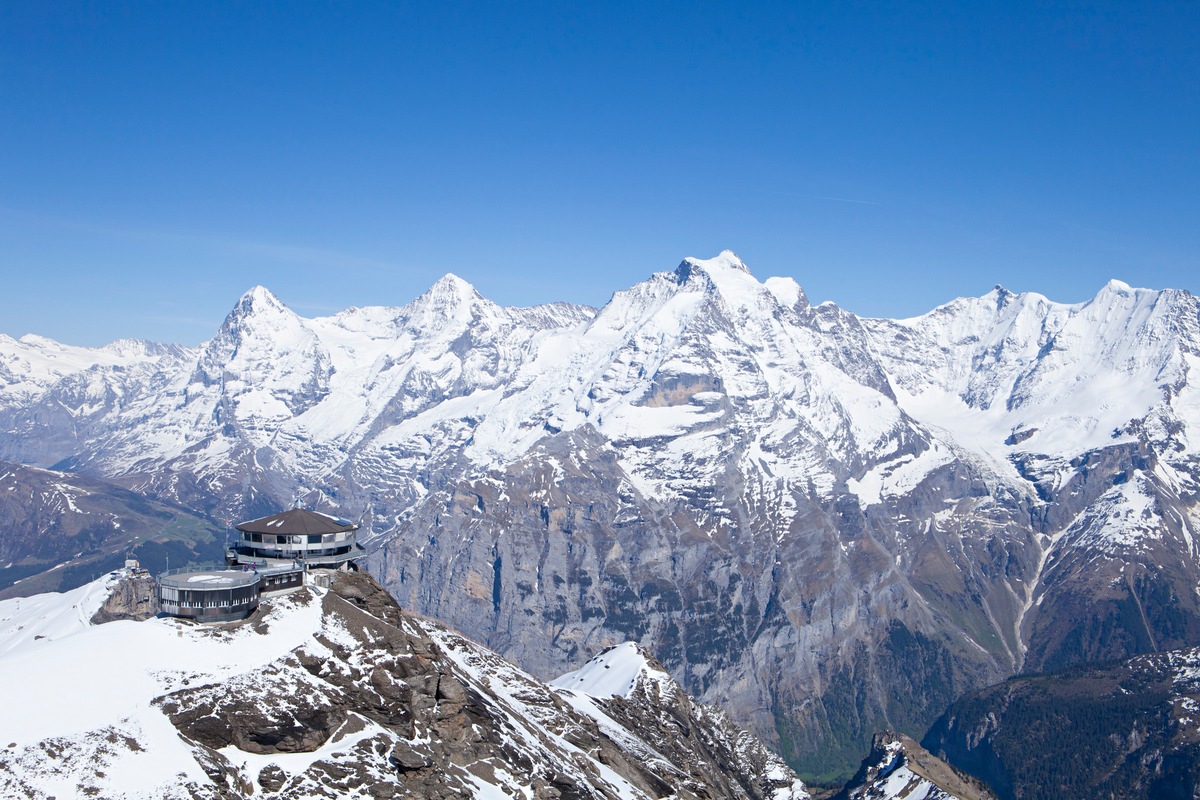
{"points": [[297, 520]]}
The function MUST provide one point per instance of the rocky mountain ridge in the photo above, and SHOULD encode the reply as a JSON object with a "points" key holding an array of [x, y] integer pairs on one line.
{"points": [[897, 767], [829, 525], [1128, 729], [339, 693]]}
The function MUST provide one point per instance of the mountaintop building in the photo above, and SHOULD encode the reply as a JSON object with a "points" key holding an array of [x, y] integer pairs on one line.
{"points": [[209, 593], [308, 538], [273, 555]]}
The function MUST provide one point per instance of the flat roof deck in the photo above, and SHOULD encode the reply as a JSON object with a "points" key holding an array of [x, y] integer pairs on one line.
{"points": [[208, 579]]}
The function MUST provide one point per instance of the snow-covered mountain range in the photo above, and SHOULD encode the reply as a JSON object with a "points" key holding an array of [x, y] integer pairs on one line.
{"points": [[827, 524]]}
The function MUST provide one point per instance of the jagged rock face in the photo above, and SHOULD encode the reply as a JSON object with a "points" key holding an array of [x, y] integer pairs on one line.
{"points": [[625, 683], [1128, 730], [133, 597], [897, 768], [342, 694], [827, 524], [585, 570]]}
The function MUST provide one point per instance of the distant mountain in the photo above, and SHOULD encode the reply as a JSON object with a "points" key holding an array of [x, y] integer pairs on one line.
{"points": [[339, 693], [62, 530], [828, 525], [1129, 730], [54, 398]]}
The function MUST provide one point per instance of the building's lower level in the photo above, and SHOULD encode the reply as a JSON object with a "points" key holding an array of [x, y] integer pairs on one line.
{"points": [[213, 594]]}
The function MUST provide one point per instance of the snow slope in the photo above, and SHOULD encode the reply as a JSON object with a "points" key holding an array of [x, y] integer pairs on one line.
{"points": [[317, 693], [615, 672], [1060, 379], [29, 622], [88, 692]]}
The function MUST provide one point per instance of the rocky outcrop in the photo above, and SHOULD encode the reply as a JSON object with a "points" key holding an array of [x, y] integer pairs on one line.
{"points": [[134, 595], [898, 768], [389, 705], [627, 684]]}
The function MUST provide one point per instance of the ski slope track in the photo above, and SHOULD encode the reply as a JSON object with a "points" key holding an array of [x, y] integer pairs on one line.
{"points": [[829, 525]]}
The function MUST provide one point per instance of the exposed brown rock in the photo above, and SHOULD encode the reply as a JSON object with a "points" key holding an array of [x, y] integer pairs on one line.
{"points": [[931, 777], [134, 596], [400, 707]]}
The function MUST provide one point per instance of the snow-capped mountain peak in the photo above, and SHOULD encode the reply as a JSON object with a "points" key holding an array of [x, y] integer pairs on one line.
{"points": [[1000, 297], [726, 270], [449, 301], [259, 320], [450, 285], [260, 316], [618, 672], [728, 282], [258, 299], [1118, 286], [34, 340], [725, 260]]}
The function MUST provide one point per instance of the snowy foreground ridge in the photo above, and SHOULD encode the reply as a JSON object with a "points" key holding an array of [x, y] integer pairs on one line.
{"points": [[338, 694]]}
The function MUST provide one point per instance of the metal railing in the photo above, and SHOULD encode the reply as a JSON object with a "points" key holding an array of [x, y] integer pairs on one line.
{"points": [[300, 559], [206, 567], [215, 567]]}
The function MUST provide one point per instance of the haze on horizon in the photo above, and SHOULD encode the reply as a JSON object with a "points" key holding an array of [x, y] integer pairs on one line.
{"points": [[161, 159]]}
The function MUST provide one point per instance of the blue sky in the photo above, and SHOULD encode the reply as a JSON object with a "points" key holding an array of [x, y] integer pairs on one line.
{"points": [[158, 159]]}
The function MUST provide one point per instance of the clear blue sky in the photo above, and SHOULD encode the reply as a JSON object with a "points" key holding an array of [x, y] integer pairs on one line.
{"points": [[158, 159]]}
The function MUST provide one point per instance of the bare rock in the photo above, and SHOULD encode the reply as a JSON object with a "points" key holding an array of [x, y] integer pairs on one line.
{"points": [[134, 596]]}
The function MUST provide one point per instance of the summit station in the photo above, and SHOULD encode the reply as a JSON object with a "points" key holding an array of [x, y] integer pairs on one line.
{"points": [[273, 555]]}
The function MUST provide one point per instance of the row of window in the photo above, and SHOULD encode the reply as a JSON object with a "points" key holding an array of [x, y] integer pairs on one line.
{"points": [[191, 599], [207, 603], [288, 553], [310, 538], [273, 583]]}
